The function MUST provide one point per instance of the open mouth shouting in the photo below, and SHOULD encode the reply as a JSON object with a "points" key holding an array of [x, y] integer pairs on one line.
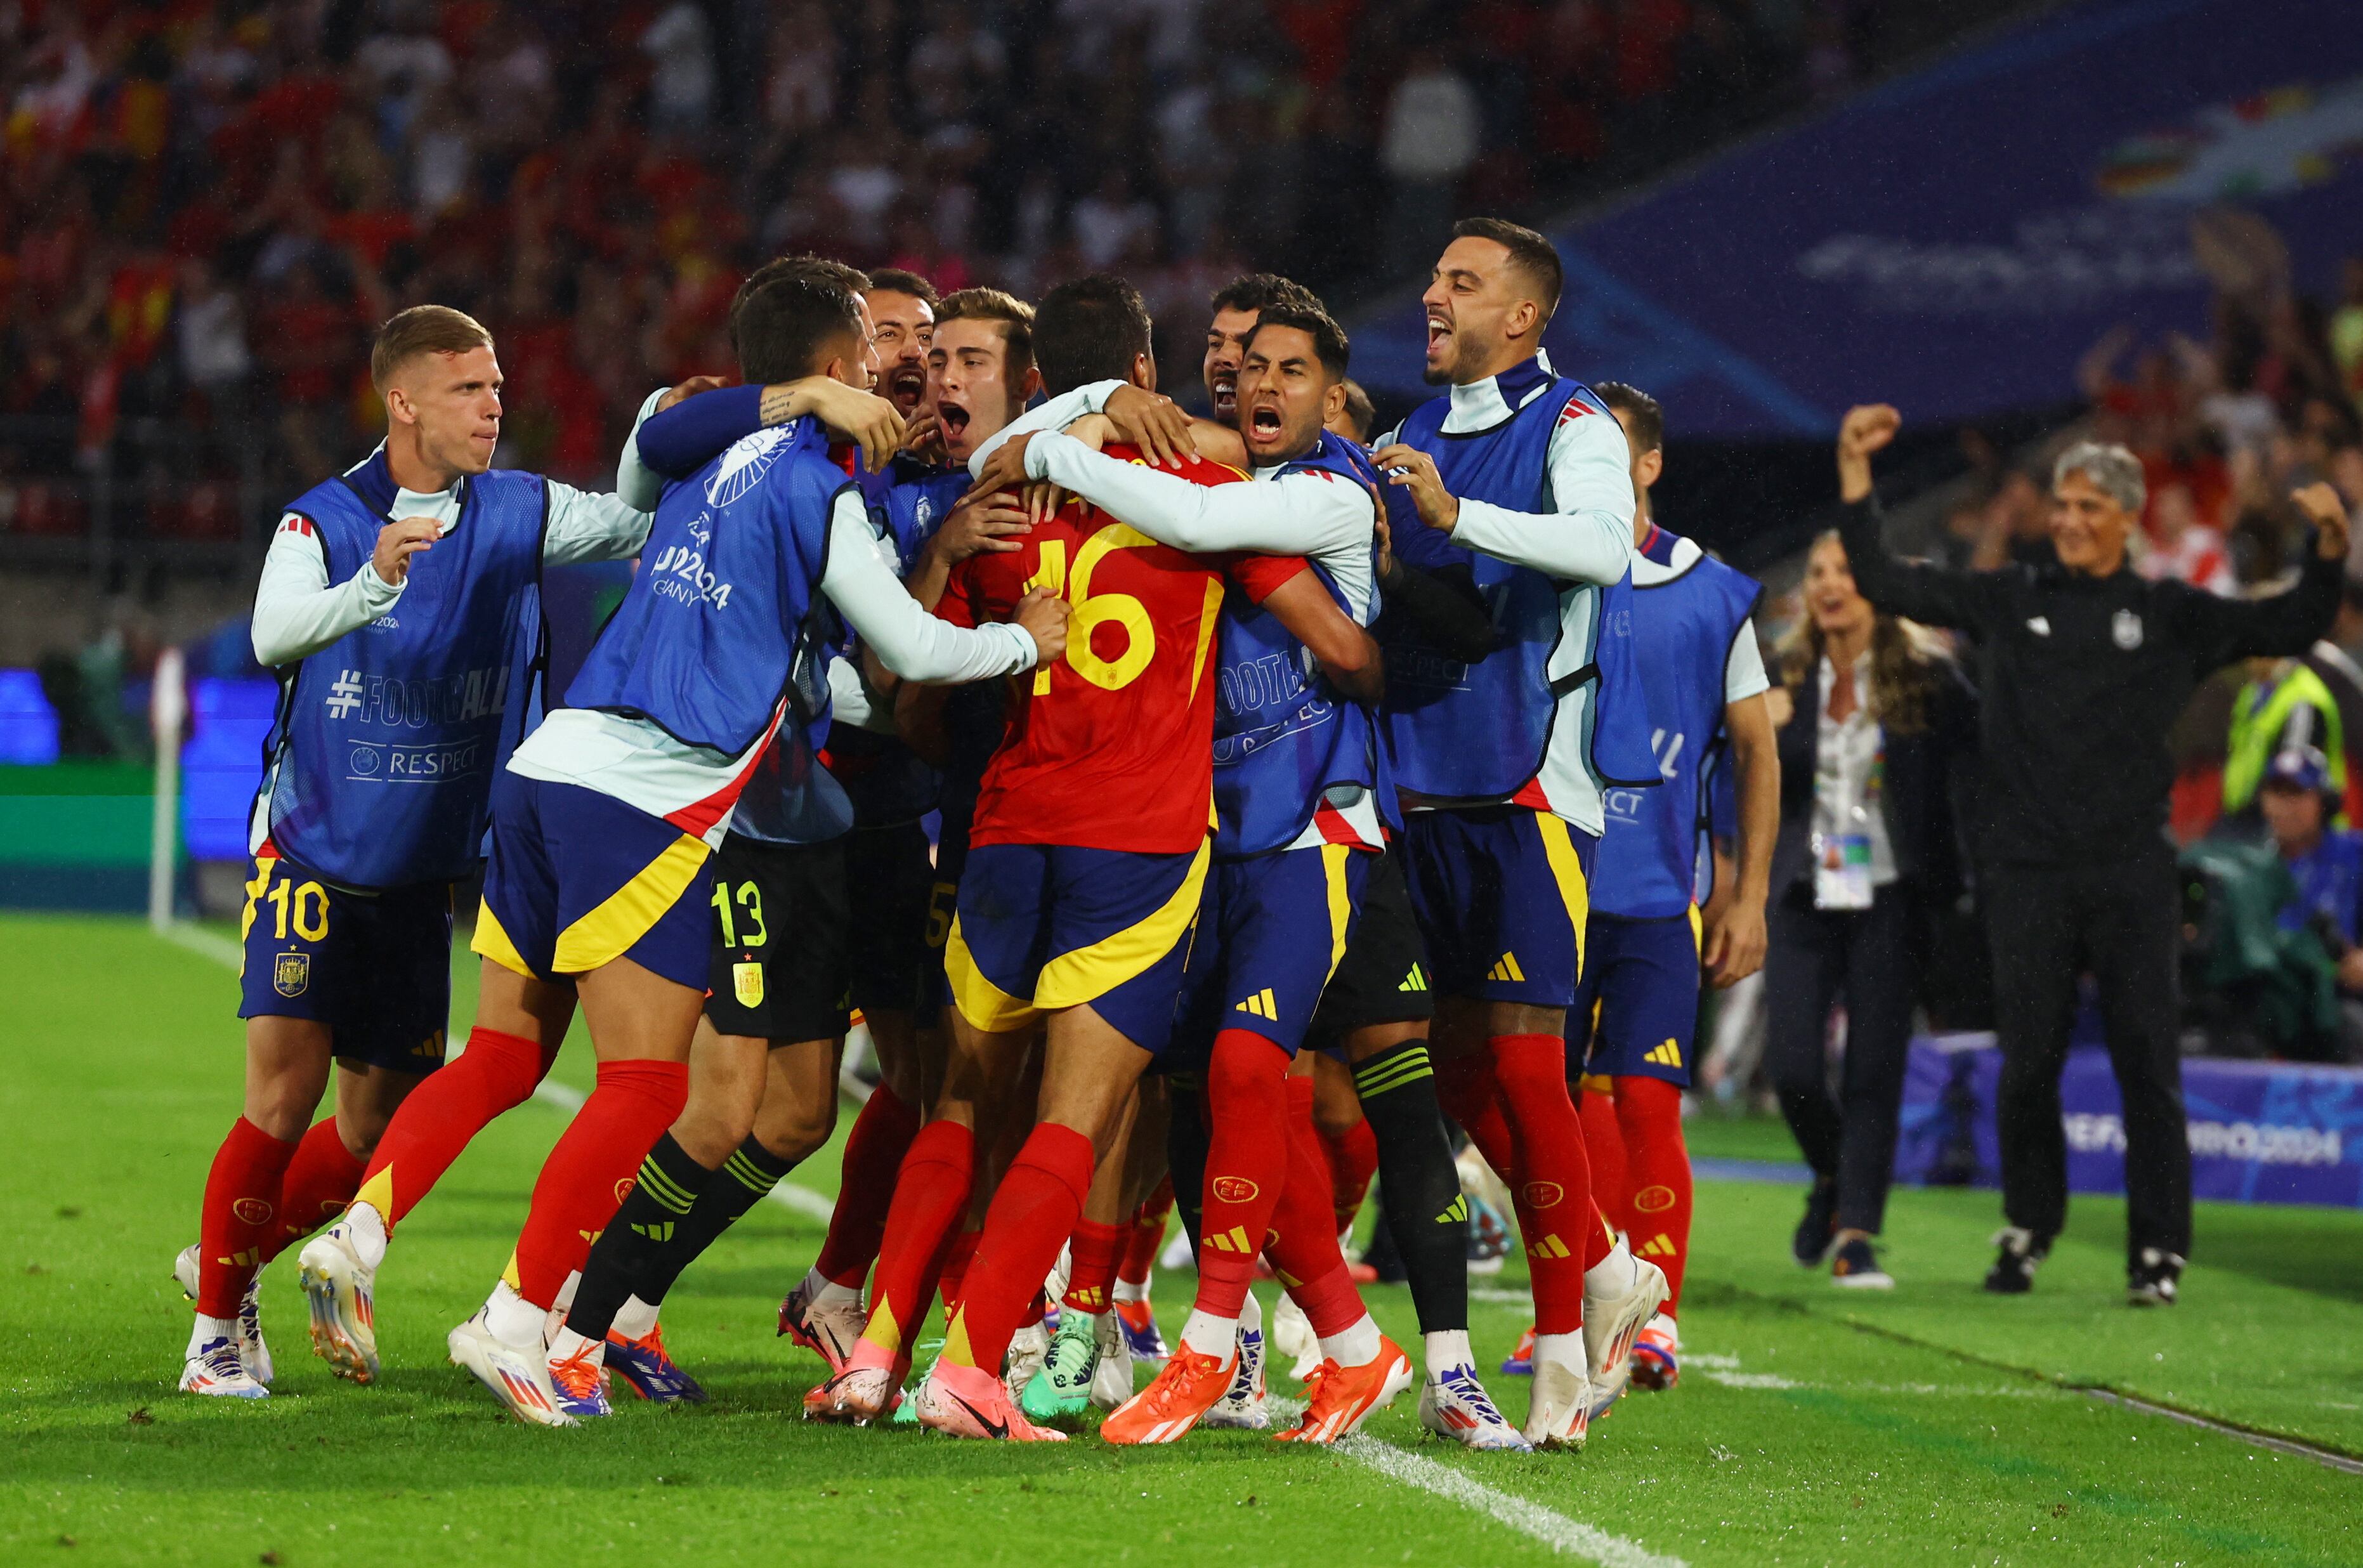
{"points": [[952, 419], [906, 385], [1440, 337], [1225, 386], [1264, 423]]}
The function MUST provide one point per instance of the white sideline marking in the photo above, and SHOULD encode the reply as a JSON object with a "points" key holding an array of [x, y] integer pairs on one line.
{"points": [[1555, 1531], [787, 1194], [224, 951], [1751, 1380]]}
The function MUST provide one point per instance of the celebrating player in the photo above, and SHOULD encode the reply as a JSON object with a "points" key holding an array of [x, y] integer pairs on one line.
{"points": [[1636, 1007], [1521, 475], [400, 603]]}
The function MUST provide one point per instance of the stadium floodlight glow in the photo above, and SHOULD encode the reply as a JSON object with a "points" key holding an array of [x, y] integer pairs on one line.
{"points": [[167, 710]]}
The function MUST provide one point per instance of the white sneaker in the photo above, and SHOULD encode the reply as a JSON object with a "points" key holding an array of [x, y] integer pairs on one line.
{"points": [[341, 1291], [1610, 1322], [1559, 1413], [1454, 1406], [1028, 1349], [518, 1378], [1242, 1404], [1292, 1336], [1112, 1378], [251, 1352], [217, 1370], [1178, 1255]]}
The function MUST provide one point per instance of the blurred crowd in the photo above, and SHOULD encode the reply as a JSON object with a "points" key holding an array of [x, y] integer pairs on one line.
{"points": [[206, 203]]}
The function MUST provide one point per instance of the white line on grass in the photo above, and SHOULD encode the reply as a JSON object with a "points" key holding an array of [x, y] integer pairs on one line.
{"points": [[205, 943]]}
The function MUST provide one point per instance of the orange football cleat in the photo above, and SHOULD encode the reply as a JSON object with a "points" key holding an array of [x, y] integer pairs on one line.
{"points": [[1342, 1398], [1183, 1390]]}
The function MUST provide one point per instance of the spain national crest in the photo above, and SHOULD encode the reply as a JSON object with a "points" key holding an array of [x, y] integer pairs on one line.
{"points": [[291, 972], [747, 984]]}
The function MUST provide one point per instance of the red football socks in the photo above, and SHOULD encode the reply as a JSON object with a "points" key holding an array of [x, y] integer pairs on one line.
{"points": [[1248, 1101], [882, 1135], [241, 1207], [1466, 1088], [1550, 1183], [496, 1072], [1649, 1112], [952, 1260], [592, 1168], [1603, 1145], [320, 1181], [1032, 1214], [1353, 1157], [930, 1196], [1304, 1245], [1146, 1234], [1094, 1250]]}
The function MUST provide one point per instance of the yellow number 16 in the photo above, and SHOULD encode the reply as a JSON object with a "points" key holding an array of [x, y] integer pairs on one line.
{"points": [[1094, 610]]}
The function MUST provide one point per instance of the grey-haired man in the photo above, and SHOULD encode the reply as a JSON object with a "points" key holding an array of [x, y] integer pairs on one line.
{"points": [[2082, 668]]}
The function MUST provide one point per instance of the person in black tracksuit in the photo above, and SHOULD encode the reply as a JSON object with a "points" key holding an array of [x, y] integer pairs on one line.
{"points": [[2081, 667]]}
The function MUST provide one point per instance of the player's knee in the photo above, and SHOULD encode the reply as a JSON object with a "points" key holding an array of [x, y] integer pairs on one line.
{"points": [[796, 1132], [1244, 1066], [1648, 1104]]}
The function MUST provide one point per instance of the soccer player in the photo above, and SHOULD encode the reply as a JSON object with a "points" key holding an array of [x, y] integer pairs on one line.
{"points": [[979, 374], [1087, 857], [903, 315], [400, 604], [1522, 476], [1636, 1006]]}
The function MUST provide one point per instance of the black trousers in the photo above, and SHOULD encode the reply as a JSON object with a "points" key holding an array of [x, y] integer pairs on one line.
{"points": [[1812, 958], [2047, 923]]}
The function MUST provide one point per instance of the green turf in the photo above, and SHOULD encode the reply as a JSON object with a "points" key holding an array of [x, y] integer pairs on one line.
{"points": [[1797, 1436], [1714, 1135]]}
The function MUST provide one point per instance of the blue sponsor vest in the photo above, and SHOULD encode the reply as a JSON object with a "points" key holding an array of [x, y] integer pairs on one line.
{"points": [[387, 741], [885, 779], [1282, 738], [1683, 634], [1478, 732], [725, 620]]}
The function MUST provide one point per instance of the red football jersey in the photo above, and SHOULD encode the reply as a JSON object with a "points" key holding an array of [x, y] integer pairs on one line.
{"points": [[1112, 747]]}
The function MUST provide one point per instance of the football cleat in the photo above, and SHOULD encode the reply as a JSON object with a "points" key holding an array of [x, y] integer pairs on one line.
{"points": [[1178, 1255], [1489, 1237], [1520, 1362], [1241, 1405], [1029, 1348], [827, 1328], [1559, 1415], [1112, 1382], [1176, 1399], [217, 1370], [1339, 1399], [2014, 1265], [1061, 1387], [1292, 1336], [969, 1402], [649, 1369], [1856, 1267], [1656, 1352], [1819, 1228], [251, 1352], [580, 1380], [1454, 1406], [2155, 1280], [1609, 1323], [1142, 1337], [518, 1378], [869, 1387], [342, 1295]]}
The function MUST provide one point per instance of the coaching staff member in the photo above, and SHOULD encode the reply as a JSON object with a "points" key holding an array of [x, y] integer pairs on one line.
{"points": [[2082, 666]]}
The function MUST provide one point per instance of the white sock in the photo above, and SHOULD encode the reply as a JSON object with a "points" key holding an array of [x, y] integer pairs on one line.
{"points": [[1355, 1346], [1447, 1348], [365, 1228], [1209, 1335], [1612, 1275], [207, 1330], [635, 1319], [566, 1344], [1565, 1348], [512, 1319], [1127, 1290], [822, 1288], [565, 1301], [1251, 1314]]}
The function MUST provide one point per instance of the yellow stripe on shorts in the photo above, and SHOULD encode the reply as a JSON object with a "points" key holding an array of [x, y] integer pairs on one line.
{"points": [[607, 932], [1087, 974], [1697, 931], [984, 1004], [1341, 899], [1567, 869], [492, 941]]}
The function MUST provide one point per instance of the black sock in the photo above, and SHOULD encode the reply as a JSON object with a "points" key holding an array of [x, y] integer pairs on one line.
{"points": [[1185, 1153], [745, 1177], [648, 1223], [1419, 1185]]}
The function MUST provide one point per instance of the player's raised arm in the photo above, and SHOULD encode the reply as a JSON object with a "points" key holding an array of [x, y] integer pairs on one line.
{"points": [[1297, 514], [297, 612]]}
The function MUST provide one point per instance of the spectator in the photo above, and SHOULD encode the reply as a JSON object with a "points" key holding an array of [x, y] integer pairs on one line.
{"points": [[2083, 668], [2284, 707], [1877, 720]]}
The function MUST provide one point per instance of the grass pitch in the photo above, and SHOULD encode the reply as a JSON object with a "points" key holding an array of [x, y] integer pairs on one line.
{"points": [[1811, 1425]]}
